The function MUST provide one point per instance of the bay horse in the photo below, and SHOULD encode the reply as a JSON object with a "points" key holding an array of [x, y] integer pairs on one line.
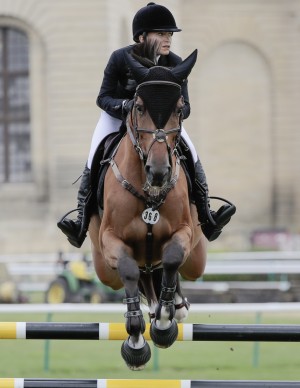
{"points": [[149, 232]]}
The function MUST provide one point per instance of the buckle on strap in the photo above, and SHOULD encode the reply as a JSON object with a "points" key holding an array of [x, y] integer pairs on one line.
{"points": [[167, 303], [168, 289], [135, 299], [134, 313]]}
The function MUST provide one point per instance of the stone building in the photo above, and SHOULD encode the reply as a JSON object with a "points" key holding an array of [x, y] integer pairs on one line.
{"points": [[244, 91]]}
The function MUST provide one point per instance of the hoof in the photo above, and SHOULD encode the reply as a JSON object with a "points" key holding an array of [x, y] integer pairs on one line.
{"points": [[164, 338], [136, 359]]}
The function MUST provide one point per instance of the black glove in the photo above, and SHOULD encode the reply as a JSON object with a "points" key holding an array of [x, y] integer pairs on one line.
{"points": [[127, 106]]}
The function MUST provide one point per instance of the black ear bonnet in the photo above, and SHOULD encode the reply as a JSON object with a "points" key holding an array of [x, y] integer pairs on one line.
{"points": [[160, 87], [160, 92]]}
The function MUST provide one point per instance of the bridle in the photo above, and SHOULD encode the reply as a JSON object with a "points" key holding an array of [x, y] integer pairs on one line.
{"points": [[159, 135]]}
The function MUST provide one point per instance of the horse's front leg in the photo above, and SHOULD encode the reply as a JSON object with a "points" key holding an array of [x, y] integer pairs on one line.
{"points": [[164, 328], [135, 350]]}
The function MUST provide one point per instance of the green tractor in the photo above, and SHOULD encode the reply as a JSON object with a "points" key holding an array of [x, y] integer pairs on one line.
{"points": [[77, 282]]}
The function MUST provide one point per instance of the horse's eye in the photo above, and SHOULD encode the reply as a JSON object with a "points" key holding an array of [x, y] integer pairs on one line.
{"points": [[179, 111], [140, 108]]}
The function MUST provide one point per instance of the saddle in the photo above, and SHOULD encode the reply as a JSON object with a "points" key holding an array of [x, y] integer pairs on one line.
{"points": [[104, 154]]}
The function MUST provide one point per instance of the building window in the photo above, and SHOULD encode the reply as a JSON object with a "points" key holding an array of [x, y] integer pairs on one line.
{"points": [[15, 152]]}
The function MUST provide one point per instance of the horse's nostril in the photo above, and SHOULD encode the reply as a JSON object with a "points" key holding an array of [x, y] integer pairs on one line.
{"points": [[148, 172]]}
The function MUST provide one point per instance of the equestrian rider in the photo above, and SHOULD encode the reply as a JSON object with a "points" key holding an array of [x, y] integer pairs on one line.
{"points": [[152, 23]]}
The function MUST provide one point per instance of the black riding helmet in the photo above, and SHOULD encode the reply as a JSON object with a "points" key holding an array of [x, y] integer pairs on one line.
{"points": [[153, 17]]}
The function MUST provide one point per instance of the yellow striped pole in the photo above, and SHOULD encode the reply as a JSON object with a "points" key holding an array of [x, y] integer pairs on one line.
{"points": [[8, 330], [7, 383], [117, 331], [143, 384], [100, 383], [54, 330]]}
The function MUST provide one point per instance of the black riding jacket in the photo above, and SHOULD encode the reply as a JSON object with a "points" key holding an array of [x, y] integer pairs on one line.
{"points": [[117, 85]]}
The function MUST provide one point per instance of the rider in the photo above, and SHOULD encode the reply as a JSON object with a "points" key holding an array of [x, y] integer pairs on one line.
{"points": [[152, 23]]}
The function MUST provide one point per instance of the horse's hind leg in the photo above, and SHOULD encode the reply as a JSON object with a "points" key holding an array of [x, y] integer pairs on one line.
{"points": [[181, 303], [148, 290], [135, 350]]}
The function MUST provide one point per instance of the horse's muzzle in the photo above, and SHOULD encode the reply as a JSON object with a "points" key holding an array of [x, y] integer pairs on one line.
{"points": [[157, 177]]}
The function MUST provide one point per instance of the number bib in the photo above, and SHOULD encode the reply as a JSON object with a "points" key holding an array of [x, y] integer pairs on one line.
{"points": [[150, 216]]}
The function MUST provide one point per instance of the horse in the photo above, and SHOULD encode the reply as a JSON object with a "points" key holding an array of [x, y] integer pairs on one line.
{"points": [[149, 234]]}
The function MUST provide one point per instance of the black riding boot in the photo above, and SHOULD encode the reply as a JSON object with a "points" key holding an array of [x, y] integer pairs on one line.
{"points": [[211, 222], [76, 230]]}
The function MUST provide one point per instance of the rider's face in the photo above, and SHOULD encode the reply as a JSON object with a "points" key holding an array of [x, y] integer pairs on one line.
{"points": [[163, 39]]}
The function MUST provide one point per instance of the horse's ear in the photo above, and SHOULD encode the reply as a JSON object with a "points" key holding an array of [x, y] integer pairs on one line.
{"points": [[184, 68], [139, 71]]}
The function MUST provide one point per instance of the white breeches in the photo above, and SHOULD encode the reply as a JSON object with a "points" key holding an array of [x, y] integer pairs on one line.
{"points": [[108, 124]]}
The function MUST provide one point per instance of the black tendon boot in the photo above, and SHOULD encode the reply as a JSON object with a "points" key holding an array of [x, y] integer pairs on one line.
{"points": [[76, 230], [211, 222]]}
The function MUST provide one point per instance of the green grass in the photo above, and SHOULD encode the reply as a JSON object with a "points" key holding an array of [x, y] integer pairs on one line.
{"points": [[184, 360]]}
